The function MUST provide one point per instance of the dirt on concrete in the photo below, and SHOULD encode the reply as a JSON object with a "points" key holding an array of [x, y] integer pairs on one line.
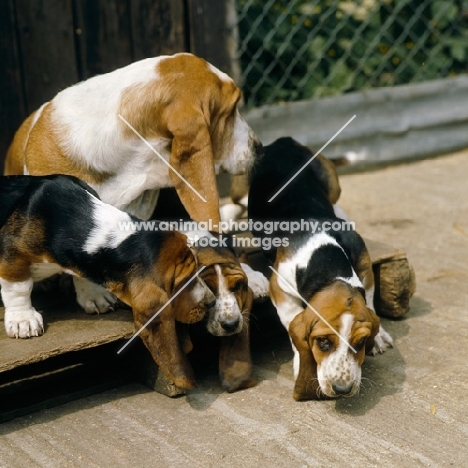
{"points": [[412, 410]]}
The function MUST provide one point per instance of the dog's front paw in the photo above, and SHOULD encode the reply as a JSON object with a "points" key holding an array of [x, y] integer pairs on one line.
{"points": [[94, 299], [382, 341], [232, 386], [23, 323], [231, 212], [258, 283], [237, 376]]}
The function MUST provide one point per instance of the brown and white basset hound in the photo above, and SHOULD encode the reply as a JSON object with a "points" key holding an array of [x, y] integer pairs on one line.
{"points": [[182, 107], [323, 284], [53, 224]]}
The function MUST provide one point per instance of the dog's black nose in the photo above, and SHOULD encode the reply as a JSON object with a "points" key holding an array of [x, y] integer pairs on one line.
{"points": [[230, 325], [210, 304], [342, 389]]}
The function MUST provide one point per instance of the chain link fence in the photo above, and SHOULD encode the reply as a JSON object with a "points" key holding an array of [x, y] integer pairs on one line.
{"points": [[292, 50]]}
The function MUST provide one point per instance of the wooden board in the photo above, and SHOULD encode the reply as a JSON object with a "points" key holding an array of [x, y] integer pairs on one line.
{"points": [[68, 328]]}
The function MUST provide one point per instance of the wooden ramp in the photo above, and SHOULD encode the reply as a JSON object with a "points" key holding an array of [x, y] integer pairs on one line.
{"points": [[67, 328]]}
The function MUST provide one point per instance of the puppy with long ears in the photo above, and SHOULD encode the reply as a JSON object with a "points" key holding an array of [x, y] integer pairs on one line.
{"points": [[234, 284], [229, 316], [323, 283], [57, 223]]}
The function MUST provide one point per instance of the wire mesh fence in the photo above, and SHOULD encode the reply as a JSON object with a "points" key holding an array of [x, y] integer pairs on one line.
{"points": [[291, 50]]}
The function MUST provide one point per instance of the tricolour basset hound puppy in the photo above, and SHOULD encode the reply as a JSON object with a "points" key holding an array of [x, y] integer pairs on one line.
{"points": [[57, 223], [235, 286], [323, 282], [181, 106]]}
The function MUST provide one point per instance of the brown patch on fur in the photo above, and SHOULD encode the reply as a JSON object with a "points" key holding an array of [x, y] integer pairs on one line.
{"points": [[160, 337], [39, 148], [306, 327], [15, 158], [330, 176], [364, 270], [22, 243], [282, 255], [184, 337], [200, 122], [239, 187], [159, 334], [143, 107], [149, 293], [175, 265], [235, 362]]}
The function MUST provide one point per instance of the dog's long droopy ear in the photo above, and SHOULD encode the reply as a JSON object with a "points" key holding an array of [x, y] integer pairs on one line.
{"points": [[306, 386], [375, 321], [235, 363], [160, 337], [328, 178], [192, 157]]}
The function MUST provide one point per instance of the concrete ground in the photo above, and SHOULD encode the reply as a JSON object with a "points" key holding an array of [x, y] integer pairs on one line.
{"points": [[412, 410]]}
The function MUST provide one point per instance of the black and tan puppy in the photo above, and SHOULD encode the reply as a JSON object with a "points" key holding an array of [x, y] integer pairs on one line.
{"points": [[57, 223], [323, 267]]}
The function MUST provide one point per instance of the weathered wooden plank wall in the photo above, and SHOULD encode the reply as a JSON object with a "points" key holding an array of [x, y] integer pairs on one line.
{"points": [[213, 33], [46, 48], [12, 99], [102, 36], [48, 45]]}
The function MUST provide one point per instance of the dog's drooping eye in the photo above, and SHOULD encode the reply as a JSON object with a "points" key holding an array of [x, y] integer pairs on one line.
{"points": [[324, 344], [239, 286], [360, 344]]}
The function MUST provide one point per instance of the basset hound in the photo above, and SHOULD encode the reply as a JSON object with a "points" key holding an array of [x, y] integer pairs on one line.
{"points": [[57, 223], [322, 285], [119, 131], [229, 316], [235, 286]]}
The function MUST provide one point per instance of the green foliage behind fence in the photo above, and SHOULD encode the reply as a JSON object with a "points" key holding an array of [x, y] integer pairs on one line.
{"points": [[296, 49]]}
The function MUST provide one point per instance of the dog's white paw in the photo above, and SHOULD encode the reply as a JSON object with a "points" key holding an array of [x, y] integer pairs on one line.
{"points": [[23, 323], [382, 341], [231, 211], [94, 299], [258, 282]]}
